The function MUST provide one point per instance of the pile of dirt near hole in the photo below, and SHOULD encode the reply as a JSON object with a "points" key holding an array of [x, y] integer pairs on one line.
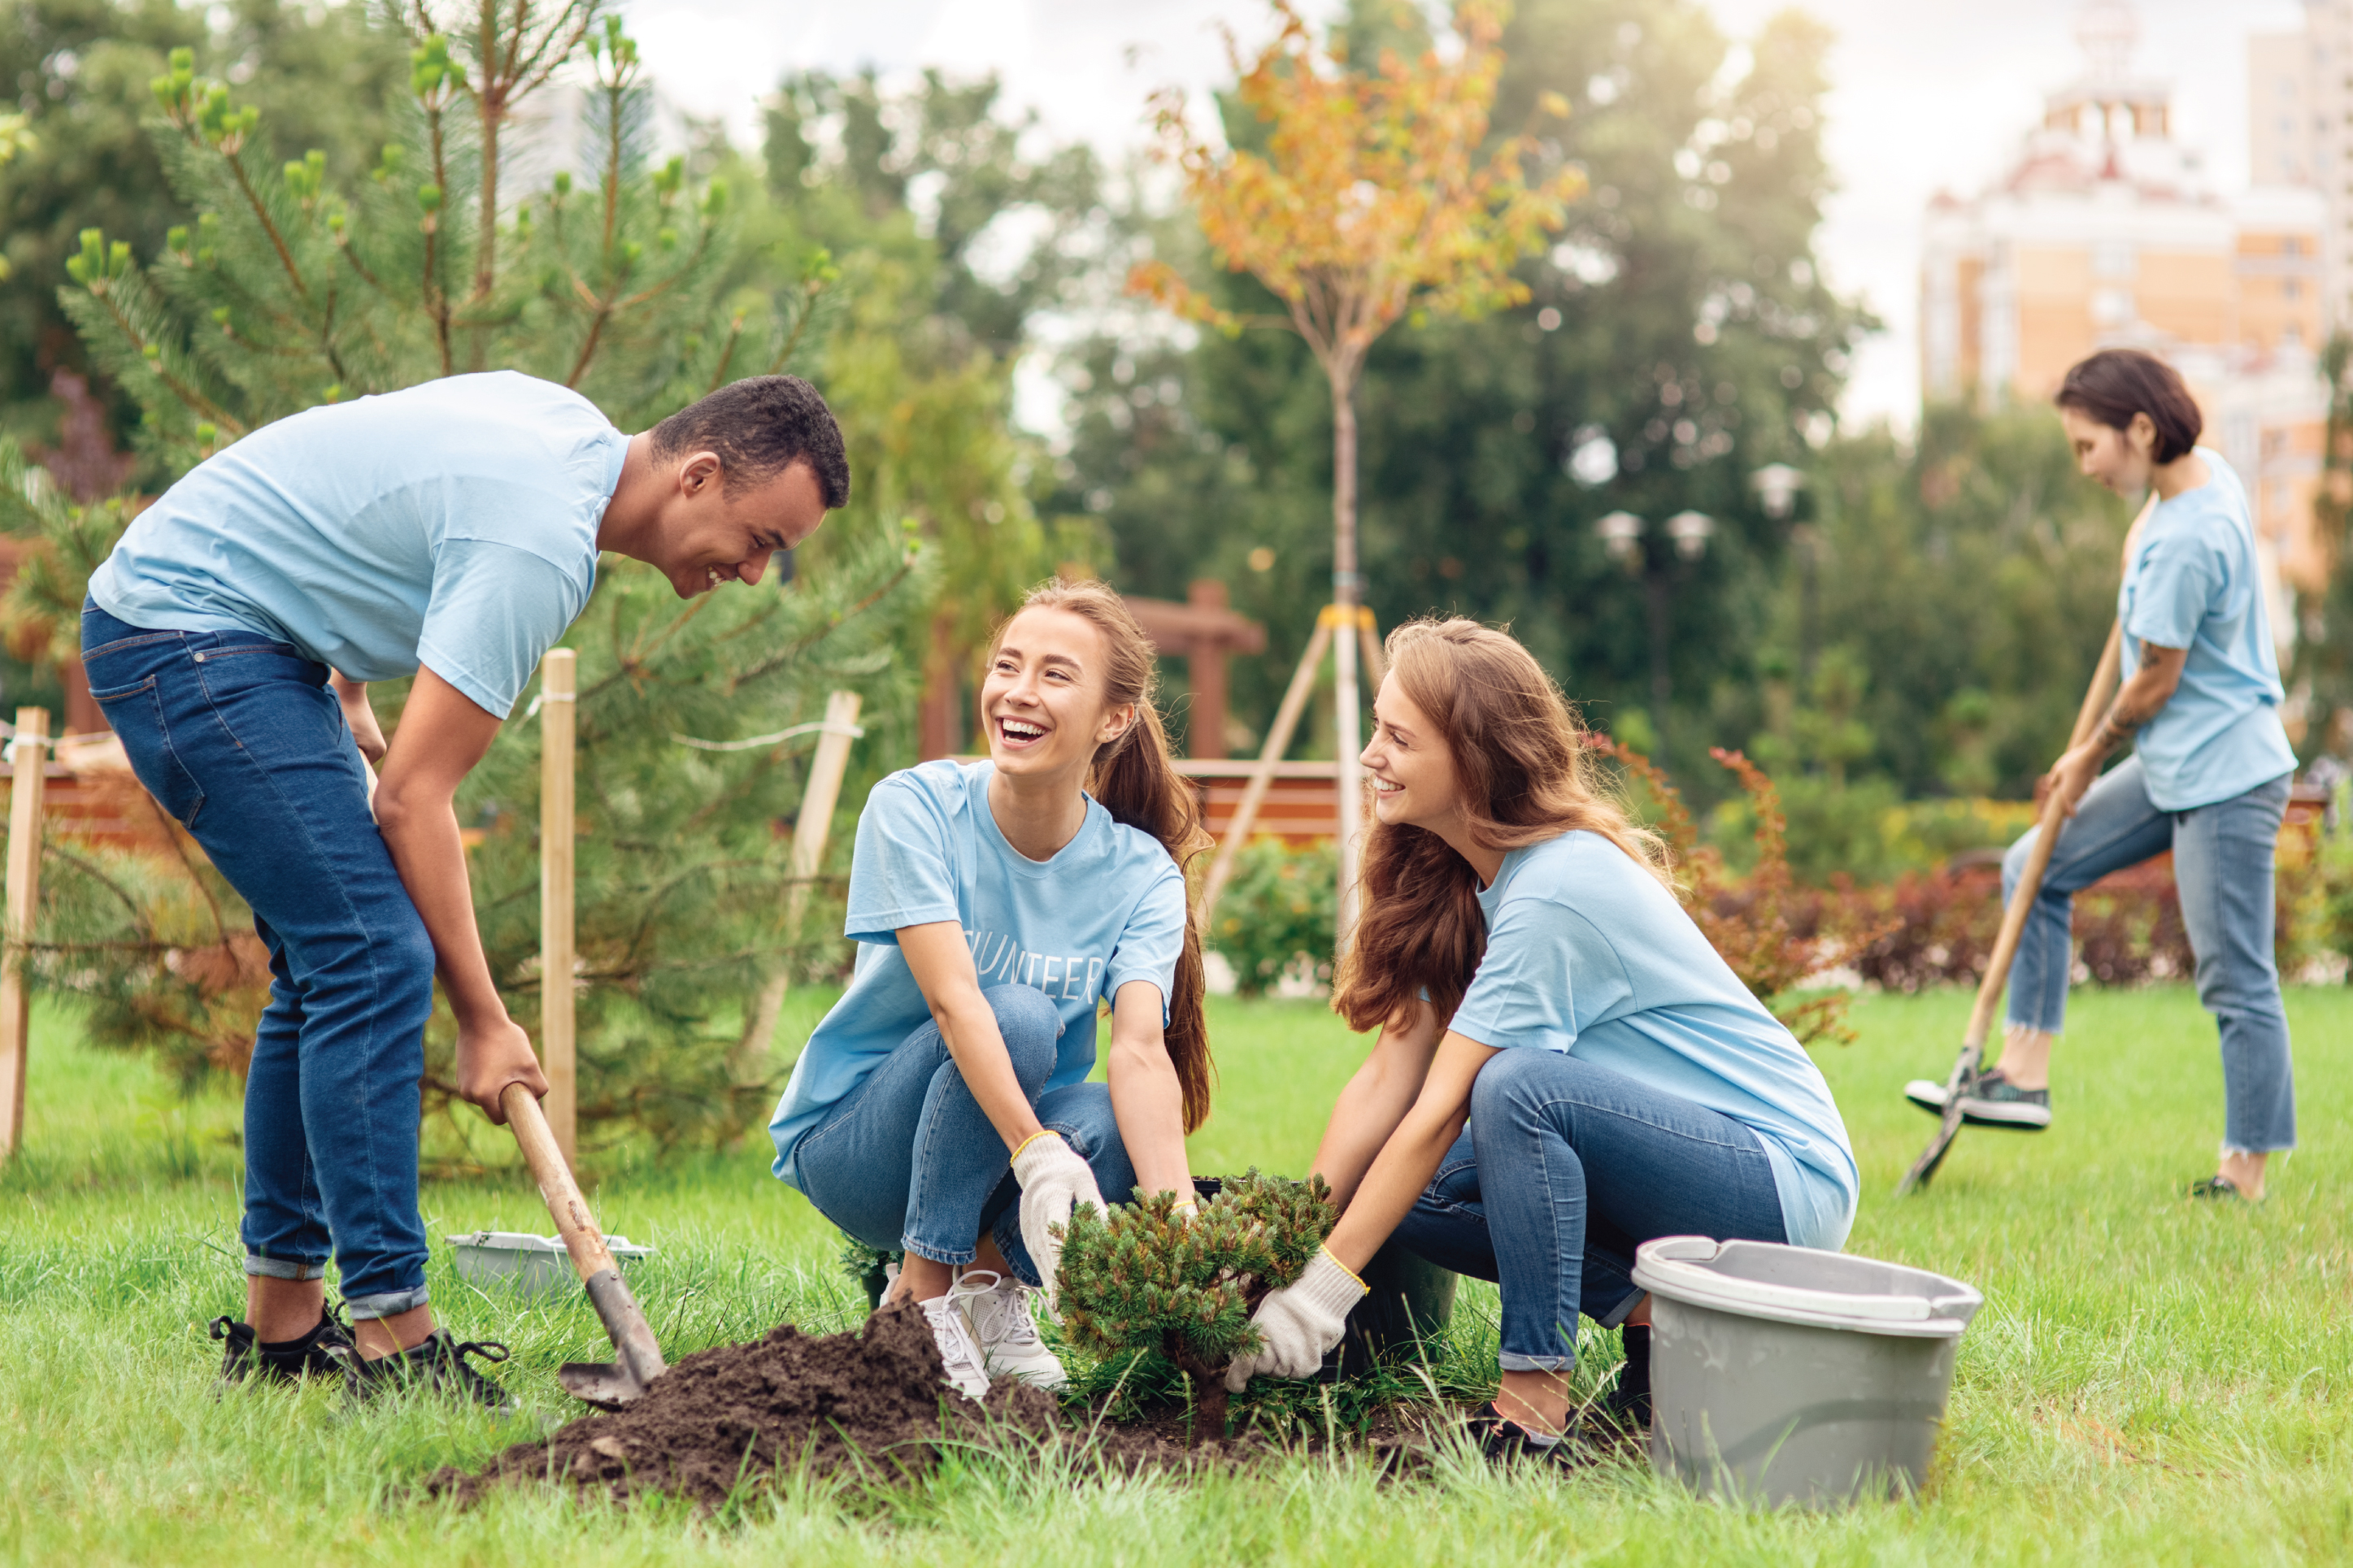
{"points": [[873, 1402]]}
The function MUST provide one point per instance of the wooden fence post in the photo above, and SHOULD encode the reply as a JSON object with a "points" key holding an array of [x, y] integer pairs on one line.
{"points": [[27, 784], [810, 829], [558, 676]]}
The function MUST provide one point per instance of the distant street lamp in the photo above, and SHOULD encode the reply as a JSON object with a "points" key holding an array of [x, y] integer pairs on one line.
{"points": [[1690, 531], [1776, 486], [1619, 532], [1687, 534]]}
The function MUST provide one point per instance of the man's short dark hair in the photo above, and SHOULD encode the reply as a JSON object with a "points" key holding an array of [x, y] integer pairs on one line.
{"points": [[760, 427], [2116, 383]]}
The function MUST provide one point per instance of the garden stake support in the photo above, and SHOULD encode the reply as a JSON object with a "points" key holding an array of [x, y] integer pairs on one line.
{"points": [[28, 782], [559, 679], [1366, 646], [611, 1384], [1966, 1072]]}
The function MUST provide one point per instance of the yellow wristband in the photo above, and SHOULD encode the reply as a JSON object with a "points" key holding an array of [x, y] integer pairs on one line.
{"points": [[1345, 1270], [1048, 1133]]}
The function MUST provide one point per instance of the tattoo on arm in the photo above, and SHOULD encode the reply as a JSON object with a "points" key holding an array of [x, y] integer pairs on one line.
{"points": [[2116, 728]]}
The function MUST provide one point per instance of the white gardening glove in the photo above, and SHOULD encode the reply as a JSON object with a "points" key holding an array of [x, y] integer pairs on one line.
{"points": [[1054, 1181], [1300, 1323]]}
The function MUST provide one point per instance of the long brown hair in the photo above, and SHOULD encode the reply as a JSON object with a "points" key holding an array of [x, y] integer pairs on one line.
{"points": [[1139, 785], [1526, 773]]}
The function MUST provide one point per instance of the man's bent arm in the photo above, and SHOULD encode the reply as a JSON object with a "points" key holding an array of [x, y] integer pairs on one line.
{"points": [[441, 735]]}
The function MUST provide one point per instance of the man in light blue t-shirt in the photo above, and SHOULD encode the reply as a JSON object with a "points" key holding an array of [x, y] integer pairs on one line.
{"points": [[449, 532]]}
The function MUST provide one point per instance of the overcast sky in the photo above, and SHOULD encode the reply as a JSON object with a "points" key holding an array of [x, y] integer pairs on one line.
{"points": [[1926, 93]]}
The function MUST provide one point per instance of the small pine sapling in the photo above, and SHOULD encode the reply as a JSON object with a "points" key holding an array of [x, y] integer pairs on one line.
{"points": [[1141, 1278]]}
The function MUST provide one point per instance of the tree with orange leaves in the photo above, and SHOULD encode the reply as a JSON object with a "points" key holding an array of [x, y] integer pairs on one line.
{"points": [[1378, 196]]}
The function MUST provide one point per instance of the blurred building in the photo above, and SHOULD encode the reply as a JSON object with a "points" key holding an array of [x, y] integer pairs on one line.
{"points": [[2105, 232]]}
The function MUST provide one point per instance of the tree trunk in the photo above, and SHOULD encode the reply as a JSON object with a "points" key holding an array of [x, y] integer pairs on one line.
{"points": [[1210, 1396], [1347, 592]]}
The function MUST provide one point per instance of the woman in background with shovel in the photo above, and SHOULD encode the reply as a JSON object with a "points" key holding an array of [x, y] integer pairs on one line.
{"points": [[2208, 779], [942, 1107]]}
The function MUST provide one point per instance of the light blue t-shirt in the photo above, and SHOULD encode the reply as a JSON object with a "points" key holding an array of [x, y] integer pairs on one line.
{"points": [[452, 524], [2194, 583], [1108, 908], [1587, 953]]}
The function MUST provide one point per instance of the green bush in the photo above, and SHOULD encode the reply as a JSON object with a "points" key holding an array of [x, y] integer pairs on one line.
{"points": [[1280, 907], [1141, 1278]]}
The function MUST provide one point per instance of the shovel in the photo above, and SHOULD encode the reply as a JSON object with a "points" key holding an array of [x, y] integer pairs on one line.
{"points": [[1966, 1068], [638, 1360]]}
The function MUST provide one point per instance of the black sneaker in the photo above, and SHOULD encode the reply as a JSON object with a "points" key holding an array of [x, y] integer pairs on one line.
{"points": [[245, 1356], [437, 1364], [2222, 1189], [1627, 1406], [1504, 1442], [1995, 1102]]}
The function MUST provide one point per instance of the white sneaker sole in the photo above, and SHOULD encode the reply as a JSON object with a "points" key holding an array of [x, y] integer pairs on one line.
{"points": [[1042, 1372], [1929, 1096]]}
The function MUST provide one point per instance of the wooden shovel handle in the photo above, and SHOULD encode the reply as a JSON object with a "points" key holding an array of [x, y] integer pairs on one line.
{"points": [[582, 1239], [2038, 861]]}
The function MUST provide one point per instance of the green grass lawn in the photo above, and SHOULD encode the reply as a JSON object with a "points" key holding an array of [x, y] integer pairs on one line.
{"points": [[2149, 1382]]}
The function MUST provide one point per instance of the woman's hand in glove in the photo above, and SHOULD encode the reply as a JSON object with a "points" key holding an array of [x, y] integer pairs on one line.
{"points": [[1054, 1181], [1300, 1323]]}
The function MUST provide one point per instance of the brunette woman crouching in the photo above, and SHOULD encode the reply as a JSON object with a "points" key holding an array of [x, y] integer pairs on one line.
{"points": [[943, 1106], [1565, 1068]]}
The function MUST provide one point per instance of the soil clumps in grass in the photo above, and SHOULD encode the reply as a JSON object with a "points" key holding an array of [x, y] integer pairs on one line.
{"points": [[871, 1403]]}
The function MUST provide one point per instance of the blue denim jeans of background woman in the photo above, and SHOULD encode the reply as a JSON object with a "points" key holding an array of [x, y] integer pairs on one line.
{"points": [[908, 1160], [2223, 870], [1562, 1171], [241, 739]]}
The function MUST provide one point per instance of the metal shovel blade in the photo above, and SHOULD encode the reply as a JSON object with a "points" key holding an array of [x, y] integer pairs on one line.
{"points": [[603, 1384], [610, 1385]]}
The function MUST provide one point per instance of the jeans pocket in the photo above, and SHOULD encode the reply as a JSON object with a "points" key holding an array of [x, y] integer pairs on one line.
{"points": [[135, 713]]}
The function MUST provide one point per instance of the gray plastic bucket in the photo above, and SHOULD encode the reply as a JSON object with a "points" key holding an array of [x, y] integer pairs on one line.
{"points": [[532, 1265], [1786, 1374]]}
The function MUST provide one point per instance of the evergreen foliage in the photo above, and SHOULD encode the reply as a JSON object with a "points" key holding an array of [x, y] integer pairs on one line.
{"points": [[1141, 1278], [299, 284]]}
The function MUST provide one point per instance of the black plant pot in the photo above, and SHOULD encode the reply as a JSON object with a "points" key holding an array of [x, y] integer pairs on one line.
{"points": [[1407, 1304]]}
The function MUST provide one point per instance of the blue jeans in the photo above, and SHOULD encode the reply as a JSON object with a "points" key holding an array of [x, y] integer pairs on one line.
{"points": [[1580, 1167], [908, 1160], [2222, 871], [241, 738]]}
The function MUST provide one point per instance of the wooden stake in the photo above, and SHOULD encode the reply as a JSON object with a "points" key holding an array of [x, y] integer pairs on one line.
{"points": [[810, 830], [28, 785], [1278, 740], [558, 692]]}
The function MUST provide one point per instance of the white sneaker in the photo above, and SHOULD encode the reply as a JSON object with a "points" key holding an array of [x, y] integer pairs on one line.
{"points": [[964, 1369], [997, 1308]]}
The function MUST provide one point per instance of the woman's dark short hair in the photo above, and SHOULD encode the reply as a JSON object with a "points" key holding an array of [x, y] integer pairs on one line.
{"points": [[760, 427], [2116, 383]]}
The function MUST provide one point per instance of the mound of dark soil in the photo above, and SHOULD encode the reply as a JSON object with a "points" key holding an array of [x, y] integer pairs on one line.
{"points": [[871, 1403]]}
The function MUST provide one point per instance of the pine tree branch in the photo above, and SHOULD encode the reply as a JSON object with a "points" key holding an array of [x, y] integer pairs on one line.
{"points": [[139, 915], [726, 355], [198, 401], [268, 226]]}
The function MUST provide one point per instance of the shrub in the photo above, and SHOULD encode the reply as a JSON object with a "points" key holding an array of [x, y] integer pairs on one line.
{"points": [[1773, 934], [1139, 1279], [1280, 910]]}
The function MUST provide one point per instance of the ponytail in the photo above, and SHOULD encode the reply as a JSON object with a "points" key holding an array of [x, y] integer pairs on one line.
{"points": [[1136, 779]]}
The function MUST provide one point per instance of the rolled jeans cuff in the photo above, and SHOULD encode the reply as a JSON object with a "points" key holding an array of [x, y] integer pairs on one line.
{"points": [[283, 1267], [1617, 1315], [1510, 1361], [391, 1304]]}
